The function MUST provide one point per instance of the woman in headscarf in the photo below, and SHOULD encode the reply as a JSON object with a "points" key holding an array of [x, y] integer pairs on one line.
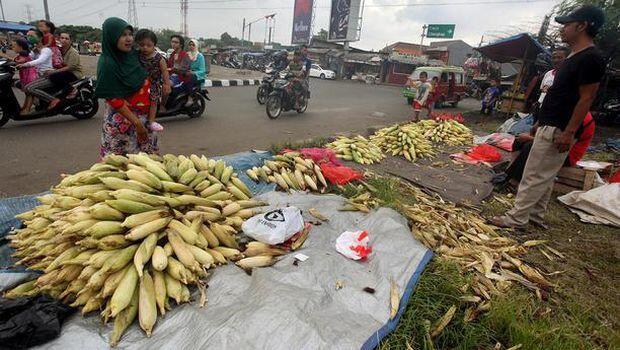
{"points": [[197, 66], [123, 82]]}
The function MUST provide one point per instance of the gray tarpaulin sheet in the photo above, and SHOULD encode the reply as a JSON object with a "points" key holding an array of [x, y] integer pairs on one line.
{"points": [[287, 306]]}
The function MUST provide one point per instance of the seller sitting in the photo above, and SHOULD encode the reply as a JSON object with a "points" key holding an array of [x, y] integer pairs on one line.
{"points": [[490, 97], [524, 142]]}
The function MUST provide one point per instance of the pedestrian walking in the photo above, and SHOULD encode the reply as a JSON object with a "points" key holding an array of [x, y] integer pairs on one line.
{"points": [[560, 117], [124, 84]]}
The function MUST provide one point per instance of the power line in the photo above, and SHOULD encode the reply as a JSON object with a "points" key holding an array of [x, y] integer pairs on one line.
{"points": [[495, 2], [92, 13]]}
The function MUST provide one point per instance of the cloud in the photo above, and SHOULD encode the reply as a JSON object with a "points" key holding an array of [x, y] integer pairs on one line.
{"points": [[380, 26]]}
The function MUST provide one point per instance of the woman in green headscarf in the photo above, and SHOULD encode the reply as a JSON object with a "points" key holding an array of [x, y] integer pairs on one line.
{"points": [[123, 82]]}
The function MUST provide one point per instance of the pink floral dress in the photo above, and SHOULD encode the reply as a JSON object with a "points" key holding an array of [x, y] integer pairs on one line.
{"points": [[119, 134]]}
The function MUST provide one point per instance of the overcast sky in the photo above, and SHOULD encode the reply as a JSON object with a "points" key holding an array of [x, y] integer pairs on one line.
{"points": [[381, 24]]}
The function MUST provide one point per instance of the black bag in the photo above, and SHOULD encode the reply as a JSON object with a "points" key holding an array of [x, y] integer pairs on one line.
{"points": [[26, 322]]}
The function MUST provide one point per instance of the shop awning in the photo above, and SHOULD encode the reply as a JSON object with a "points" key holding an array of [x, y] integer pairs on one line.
{"points": [[517, 47], [14, 27]]}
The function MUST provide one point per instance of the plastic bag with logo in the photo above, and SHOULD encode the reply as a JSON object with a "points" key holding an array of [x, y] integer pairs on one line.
{"points": [[275, 226]]}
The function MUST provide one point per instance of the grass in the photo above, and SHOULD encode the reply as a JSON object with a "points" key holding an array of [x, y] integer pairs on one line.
{"points": [[581, 313], [293, 145]]}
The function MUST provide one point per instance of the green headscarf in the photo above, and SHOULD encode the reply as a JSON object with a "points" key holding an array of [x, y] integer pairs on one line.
{"points": [[119, 74]]}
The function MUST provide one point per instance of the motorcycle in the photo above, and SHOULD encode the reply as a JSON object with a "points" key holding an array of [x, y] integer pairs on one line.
{"points": [[282, 98], [84, 106], [610, 113], [192, 103], [266, 87]]}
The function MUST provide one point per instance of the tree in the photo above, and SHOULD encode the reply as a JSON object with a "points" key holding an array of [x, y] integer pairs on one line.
{"points": [[607, 39], [322, 35], [163, 37], [227, 40], [81, 33]]}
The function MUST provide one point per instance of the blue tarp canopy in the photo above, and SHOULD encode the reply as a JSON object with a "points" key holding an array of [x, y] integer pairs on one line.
{"points": [[14, 27], [518, 47]]}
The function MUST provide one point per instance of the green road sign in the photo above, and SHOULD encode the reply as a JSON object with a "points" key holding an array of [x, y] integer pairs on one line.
{"points": [[442, 31]]}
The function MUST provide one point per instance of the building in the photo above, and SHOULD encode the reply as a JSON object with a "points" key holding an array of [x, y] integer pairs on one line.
{"points": [[330, 55], [401, 59], [457, 51]]}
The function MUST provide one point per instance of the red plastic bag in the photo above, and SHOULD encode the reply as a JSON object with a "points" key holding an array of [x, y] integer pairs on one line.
{"points": [[485, 153], [340, 175], [320, 155]]}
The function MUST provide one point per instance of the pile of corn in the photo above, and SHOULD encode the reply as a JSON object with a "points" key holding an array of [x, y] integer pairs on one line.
{"points": [[133, 232], [406, 140], [460, 235], [358, 149], [290, 171], [449, 132]]}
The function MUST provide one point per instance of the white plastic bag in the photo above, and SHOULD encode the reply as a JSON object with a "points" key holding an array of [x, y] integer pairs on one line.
{"points": [[354, 245], [275, 226]]}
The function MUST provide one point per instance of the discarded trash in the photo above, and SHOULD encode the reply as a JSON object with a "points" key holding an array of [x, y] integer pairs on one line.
{"points": [[275, 226], [354, 245]]}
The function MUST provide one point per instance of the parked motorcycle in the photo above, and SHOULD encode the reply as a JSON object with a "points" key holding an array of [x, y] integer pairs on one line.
{"points": [[84, 106], [191, 103], [610, 113], [282, 99]]}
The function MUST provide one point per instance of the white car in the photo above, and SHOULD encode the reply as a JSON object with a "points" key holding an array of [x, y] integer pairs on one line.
{"points": [[318, 72]]}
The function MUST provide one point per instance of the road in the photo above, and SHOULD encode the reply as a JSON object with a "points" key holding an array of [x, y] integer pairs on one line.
{"points": [[34, 153]]}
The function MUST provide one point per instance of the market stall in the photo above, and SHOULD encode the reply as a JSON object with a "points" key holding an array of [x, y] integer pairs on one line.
{"points": [[523, 49]]}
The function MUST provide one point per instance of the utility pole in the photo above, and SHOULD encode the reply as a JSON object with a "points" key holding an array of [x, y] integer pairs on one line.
{"points": [[243, 33], [423, 35], [184, 6], [2, 8], [544, 27], [29, 12], [47, 10], [132, 13]]}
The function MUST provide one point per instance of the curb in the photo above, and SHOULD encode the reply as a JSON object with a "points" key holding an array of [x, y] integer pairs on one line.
{"points": [[231, 82]]}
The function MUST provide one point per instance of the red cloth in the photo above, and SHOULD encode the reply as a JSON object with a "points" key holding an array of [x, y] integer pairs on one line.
{"points": [[416, 105], [615, 178], [139, 100], [183, 62], [583, 142], [485, 153]]}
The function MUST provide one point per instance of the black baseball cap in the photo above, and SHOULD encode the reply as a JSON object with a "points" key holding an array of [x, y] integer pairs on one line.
{"points": [[591, 14]]}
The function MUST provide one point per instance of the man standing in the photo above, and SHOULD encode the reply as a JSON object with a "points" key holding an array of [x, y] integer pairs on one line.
{"points": [[565, 106], [70, 72]]}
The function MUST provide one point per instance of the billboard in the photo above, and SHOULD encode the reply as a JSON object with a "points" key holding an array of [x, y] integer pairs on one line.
{"points": [[440, 31], [302, 22], [344, 20]]}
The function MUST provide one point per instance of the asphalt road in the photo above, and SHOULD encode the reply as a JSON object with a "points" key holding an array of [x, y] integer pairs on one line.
{"points": [[34, 153]]}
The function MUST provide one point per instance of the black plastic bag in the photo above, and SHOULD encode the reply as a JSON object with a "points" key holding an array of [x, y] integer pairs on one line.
{"points": [[27, 322]]}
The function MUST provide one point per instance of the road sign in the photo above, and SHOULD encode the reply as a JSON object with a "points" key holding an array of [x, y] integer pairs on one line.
{"points": [[441, 31]]}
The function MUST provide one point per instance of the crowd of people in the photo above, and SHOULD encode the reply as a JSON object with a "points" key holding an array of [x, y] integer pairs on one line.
{"points": [[132, 76], [45, 60], [137, 83]]}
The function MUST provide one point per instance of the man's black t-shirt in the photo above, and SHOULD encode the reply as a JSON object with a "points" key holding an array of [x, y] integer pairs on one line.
{"points": [[583, 68]]}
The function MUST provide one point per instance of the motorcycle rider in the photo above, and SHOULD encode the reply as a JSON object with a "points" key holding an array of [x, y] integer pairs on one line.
{"points": [[307, 62], [70, 72], [280, 61], [297, 70]]}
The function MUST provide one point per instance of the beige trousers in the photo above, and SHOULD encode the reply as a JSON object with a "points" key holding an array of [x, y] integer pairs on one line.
{"points": [[539, 174]]}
